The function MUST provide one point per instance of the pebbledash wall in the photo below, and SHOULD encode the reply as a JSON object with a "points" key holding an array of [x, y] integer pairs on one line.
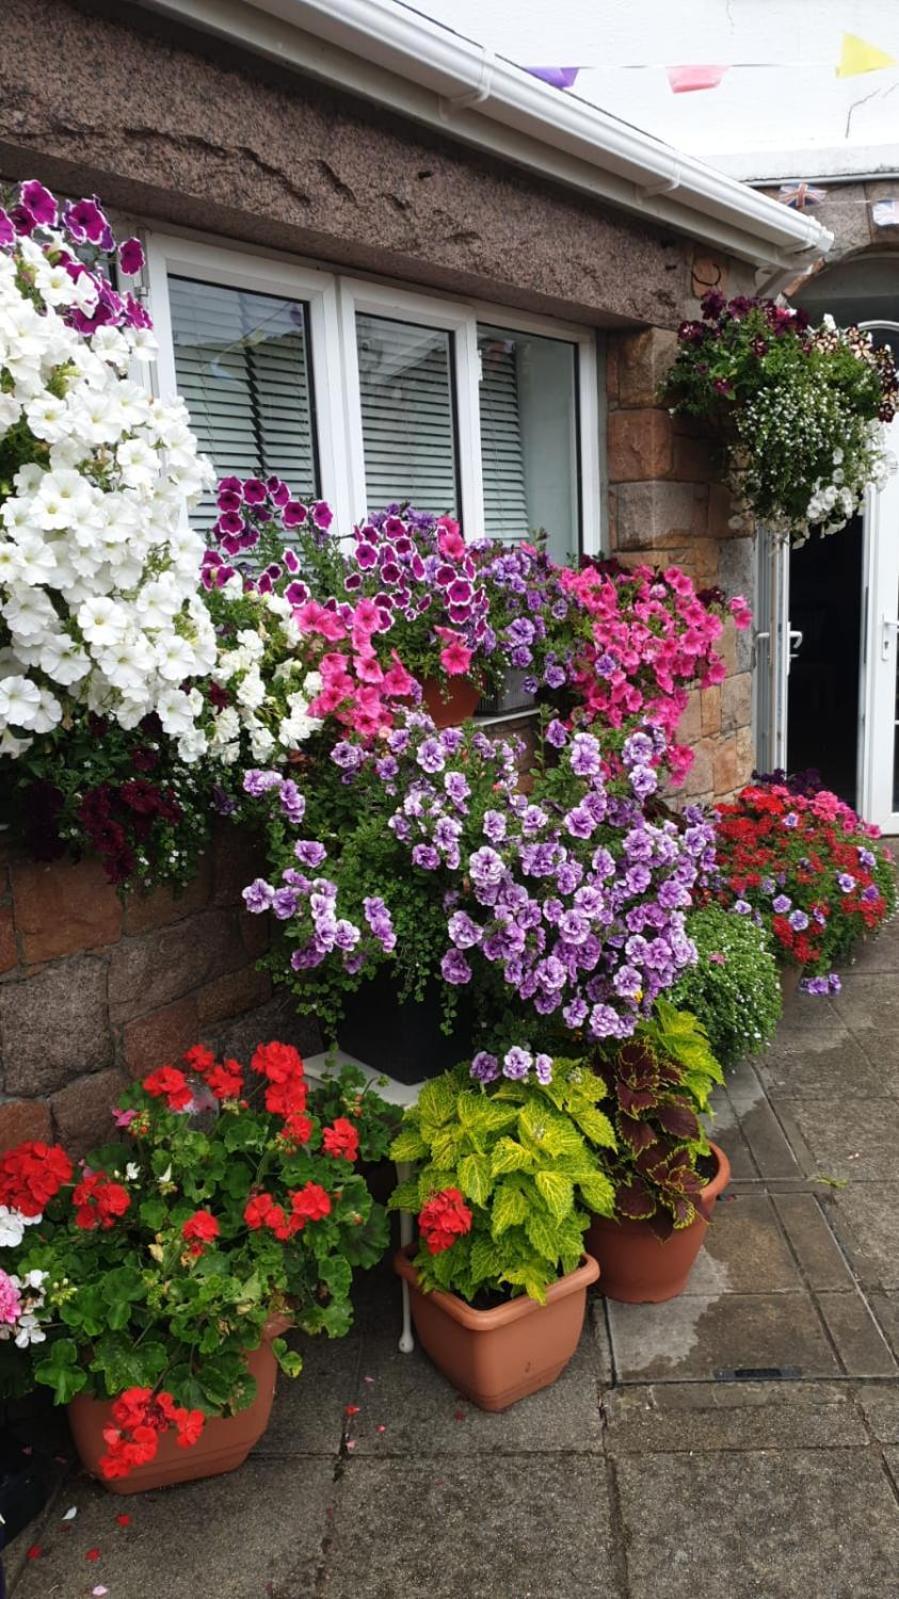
{"points": [[182, 131], [96, 990]]}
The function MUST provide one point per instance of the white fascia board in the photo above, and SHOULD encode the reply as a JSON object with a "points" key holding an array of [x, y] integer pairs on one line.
{"points": [[395, 56]]}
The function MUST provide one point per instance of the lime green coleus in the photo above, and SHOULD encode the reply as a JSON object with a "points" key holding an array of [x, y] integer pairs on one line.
{"points": [[527, 1157]]}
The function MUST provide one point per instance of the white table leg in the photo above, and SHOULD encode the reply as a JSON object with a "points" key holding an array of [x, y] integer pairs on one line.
{"points": [[407, 1342]]}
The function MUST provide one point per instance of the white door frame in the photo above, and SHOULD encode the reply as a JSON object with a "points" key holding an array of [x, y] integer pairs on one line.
{"points": [[880, 642], [774, 645]]}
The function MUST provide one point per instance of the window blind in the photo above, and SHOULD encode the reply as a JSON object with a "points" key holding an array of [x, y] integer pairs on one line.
{"points": [[502, 454], [242, 365], [408, 426]]}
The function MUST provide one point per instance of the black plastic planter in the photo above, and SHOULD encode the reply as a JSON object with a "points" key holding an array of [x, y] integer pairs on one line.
{"points": [[403, 1040]]}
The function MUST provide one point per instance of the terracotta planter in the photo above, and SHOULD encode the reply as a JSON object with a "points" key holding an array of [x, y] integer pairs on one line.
{"points": [[223, 1445], [450, 701], [636, 1267], [496, 1357], [789, 981]]}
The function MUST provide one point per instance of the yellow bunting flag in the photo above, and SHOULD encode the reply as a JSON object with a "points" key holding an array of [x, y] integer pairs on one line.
{"points": [[857, 56]]}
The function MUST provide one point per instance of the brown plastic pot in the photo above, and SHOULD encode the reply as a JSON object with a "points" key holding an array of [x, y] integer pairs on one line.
{"points": [[637, 1267], [450, 701], [496, 1357], [222, 1446], [789, 981]]}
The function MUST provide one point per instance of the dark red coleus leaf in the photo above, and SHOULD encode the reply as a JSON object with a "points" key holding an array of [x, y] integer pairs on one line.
{"points": [[636, 1100], [634, 1200], [636, 1134], [679, 1120]]}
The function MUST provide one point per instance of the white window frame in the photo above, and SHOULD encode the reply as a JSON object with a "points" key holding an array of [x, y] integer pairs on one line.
{"points": [[233, 268], [333, 301]]}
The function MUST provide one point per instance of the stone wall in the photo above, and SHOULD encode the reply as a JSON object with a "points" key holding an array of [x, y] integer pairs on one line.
{"points": [[96, 990], [668, 504], [180, 128]]}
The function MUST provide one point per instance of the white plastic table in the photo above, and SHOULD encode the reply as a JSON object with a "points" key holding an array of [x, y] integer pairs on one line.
{"points": [[320, 1068]]}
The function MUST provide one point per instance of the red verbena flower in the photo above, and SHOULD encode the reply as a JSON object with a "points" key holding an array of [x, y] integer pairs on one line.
{"points": [[30, 1176], [443, 1219], [341, 1139], [170, 1084]]}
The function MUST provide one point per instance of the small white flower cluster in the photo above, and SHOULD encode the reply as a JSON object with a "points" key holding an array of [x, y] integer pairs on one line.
{"points": [[98, 566], [269, 703], [12, 1227]]}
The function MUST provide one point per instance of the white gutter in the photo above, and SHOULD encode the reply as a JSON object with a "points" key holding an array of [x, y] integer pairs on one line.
{"points": [[397, 57]]}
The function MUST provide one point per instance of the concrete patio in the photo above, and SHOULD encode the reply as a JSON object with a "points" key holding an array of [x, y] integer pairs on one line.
{"points": [[743, 1439]]}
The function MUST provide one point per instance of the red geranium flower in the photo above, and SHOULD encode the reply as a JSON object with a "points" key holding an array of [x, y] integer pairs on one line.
{"points": [[443, 1219], [341, 1139], [99, 1202], [280, 1063], [310, 1203], [30, 1176], [226, 1080], [170, 1084], [199, 1230]]}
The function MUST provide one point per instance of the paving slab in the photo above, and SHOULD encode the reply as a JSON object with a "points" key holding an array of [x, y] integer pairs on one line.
{"points": [[770, 1150], [885, 1307], [819, 1065], [776, 1524], [804, 1222], [868, 1001], [880, 1407], [866, 1221], [520, 1527], [308, 1414], [696, 1416], [860, 1344], [850, 1140], [880, 954], [744, 1250], [422, 1414], [882, 1050], [256, 1532], [697, 1337], [814, 1011]]}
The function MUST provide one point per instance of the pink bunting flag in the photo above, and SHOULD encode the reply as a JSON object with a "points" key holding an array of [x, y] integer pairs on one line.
{"points": [[684, 80], [558, 77]]}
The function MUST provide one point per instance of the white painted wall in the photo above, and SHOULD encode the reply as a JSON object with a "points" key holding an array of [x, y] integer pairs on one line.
{"points": [[790, 117]]}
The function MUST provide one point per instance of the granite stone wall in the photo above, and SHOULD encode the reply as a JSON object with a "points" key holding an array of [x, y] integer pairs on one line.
{"points": [[96, 989], [668, 504]]}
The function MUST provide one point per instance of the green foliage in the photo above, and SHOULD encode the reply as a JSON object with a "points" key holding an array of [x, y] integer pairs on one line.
{"points": [[734, 989], [520, 1156]]}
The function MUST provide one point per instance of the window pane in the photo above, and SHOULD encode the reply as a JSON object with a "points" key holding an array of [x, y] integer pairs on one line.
{"points": [[408, 427], [242, 363], [528, 402]]}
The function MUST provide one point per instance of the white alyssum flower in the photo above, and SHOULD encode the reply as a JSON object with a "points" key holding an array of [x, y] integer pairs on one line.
{"points": [[99, 568]]}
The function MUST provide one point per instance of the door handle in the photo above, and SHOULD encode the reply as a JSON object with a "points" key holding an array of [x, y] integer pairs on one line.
{"points": [[794, 645], [888, 625]]}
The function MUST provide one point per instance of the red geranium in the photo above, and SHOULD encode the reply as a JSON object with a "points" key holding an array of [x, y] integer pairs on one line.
{"points": [[280, 1063], [199, 1230], [225, 1080], [443, 1219], [140, 1419], [170, 1084], [99, 1202], [30, 1176], [341, 1139], [310, 1203]]}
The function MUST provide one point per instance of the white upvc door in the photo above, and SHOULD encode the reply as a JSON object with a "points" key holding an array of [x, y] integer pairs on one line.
{"points": [[879, 763], [774, 646]]}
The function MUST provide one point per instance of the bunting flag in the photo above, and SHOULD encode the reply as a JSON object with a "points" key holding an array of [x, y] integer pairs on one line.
{"points": [[685, 80], [857, 56], [558, 77]]}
